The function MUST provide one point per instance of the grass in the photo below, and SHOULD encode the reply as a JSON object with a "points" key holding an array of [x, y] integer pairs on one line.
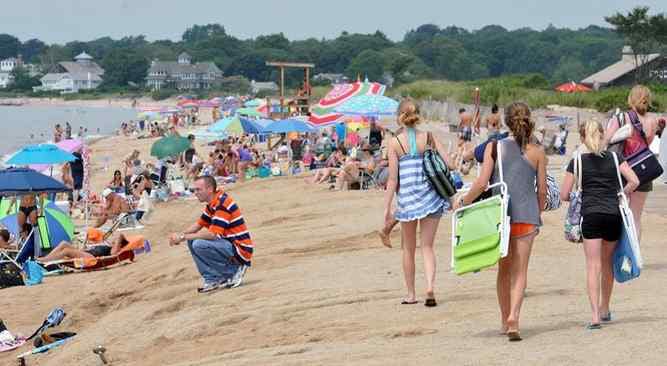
{"points": [[507, 89]]}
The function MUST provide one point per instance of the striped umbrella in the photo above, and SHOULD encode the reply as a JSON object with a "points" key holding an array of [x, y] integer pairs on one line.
{"points": [[60, 225]]}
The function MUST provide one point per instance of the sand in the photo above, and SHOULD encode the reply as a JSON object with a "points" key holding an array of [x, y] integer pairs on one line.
{"points": [[323, 291]]}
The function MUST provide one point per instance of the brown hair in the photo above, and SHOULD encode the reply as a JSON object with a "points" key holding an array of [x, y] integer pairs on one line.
{"points": [[639, 99], [4, 234], [408, 113], [517, 118], [591, 132], [208, 181]]}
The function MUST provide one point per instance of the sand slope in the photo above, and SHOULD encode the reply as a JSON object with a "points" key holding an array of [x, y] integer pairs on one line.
{"points": [[322, 290]]}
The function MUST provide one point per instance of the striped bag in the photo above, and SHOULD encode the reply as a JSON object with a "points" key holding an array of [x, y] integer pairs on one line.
{"points": [[553, 194], [437, 172]]}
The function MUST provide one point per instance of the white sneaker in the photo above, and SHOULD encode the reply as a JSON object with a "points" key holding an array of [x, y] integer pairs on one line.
{"points": [[238, 277]]}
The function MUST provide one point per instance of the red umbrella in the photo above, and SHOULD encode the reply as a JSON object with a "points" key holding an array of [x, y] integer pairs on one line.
{"points": [[573, 87]]}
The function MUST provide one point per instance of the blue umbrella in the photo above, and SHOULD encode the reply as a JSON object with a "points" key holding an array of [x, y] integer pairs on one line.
{"points": [[372, 105], [23, 180], [250, 126], [290, 125], [40, 154]]}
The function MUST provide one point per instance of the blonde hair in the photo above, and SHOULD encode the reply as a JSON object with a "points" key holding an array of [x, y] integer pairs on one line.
{"points": [[639, 99], [592, 134], [517, 118], [408, 113]]}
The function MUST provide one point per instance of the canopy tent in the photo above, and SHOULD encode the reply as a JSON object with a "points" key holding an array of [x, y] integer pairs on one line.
{"points": [[323, 114]]}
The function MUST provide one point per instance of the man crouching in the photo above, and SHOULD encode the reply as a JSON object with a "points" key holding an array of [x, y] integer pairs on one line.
{"points": [[222, 252]]}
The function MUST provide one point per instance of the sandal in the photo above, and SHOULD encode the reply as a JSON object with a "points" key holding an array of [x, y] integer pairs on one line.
{"points": [[594, 326], [406, 302], [606, 318], [514, 336], [430, 302]]}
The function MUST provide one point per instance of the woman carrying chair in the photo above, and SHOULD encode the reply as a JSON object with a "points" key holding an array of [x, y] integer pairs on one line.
{"points": [[523, 162]]}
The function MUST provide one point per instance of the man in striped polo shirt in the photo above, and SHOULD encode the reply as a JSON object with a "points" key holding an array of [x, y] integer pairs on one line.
{"points": [[222, 251]]}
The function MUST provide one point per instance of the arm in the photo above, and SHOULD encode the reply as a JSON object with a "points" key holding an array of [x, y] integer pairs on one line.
{"points": [[611, 129], [566, 187], [632, 182], [542, 179], [177, 238], [482, 182], [650, 128], [392, 181]]}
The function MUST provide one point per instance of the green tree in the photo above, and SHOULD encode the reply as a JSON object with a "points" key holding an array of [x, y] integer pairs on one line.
{"points": [[368, 64], [31, 49], [569, 69], [198, 33], [22, 81], [9, 46], [123, 66]]}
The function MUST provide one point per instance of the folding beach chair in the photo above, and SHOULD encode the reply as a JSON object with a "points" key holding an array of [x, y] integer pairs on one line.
{"points": [[481, 231], [136, 245]]}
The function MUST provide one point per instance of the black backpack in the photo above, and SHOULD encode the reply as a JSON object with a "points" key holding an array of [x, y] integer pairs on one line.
{"points": [[437, 171]]}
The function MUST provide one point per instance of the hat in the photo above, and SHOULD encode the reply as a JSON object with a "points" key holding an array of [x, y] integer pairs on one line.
{"points": [[106, 192]]}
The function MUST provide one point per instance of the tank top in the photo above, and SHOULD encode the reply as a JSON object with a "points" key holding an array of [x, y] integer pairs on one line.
{"points": [[519, 175]]}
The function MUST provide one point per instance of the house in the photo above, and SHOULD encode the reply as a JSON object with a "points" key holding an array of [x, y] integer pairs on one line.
{"points": [[81, 74], [183, 74], [5, 79], [331, 78], [624, 71], [6, 67], [258, 86]]}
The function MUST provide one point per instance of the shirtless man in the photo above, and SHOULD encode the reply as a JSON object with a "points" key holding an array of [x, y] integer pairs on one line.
{"points": [[115, 205], [66, 250], [492, 122], [465, 125]]}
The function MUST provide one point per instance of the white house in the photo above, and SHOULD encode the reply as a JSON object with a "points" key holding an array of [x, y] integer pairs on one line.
{"points": [[9, 64], [258, 86], [82, 74], [5, 79]]}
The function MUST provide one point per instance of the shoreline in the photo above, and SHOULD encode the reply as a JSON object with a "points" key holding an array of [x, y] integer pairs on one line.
{"points": [[114, 102]]}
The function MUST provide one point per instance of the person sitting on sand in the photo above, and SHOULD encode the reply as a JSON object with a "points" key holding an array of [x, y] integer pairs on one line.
{"points": [[115, 205], [332, 167], [117, 185], [5, 240], [65, 250], [219, 241], [492, 122]]}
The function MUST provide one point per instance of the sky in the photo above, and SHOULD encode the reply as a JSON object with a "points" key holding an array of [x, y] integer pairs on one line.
{"points": [[61, 21]]}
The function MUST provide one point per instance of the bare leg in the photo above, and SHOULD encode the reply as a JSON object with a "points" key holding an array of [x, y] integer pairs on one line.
{"points": [[592, 251], [101, 220], [607, 280], [503, 288], [64, 251], [637, 202], [428, 226], [409, 234], [521, 247], [21, 219]]}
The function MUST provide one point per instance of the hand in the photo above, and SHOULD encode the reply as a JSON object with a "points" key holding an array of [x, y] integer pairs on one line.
{"points": [[458, 202], [175, 239]]}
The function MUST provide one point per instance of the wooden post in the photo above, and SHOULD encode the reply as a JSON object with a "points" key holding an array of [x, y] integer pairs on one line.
{"points": [[282, 91]]}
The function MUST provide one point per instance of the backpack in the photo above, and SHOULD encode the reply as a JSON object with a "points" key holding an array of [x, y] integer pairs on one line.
{"points": [[437, 172]]}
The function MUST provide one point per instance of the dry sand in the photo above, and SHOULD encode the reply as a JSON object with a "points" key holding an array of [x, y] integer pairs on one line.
{"points": [[322, 290]]}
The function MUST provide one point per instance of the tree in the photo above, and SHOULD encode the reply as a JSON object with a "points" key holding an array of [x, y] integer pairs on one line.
{"points": [[569, 69], [277, 41], [22, 81], [199, 33], [640, 31], [123, 66], [368, 64], [31, 49], [9, 46]]}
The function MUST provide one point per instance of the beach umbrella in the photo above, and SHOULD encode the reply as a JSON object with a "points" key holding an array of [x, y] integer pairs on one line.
{"points": [[206, 135], [370, 105], [250, 126], [169, 146], [290, 125], [572, 87], [250, 112], [60, 225], [20, 181], [40, 154], [69, 145], [231, 125], [254, 103], [188, 104]]}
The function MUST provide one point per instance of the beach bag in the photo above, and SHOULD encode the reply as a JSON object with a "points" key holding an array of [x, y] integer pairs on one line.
{"points": [[437, 172], [573, 216], [481, 231], [10, 275], [627, 258], [639, 155], [553, 194]]}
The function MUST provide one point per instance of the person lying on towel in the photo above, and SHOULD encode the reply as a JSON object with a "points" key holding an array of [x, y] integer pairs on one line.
{"points": [[67, 251]]}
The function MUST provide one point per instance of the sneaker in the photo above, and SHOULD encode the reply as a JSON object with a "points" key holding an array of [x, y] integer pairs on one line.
{"points": [[209, 287], [238, 277]]}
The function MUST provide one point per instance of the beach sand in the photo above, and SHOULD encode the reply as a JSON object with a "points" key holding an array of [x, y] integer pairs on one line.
{"points": [[323, 290]]}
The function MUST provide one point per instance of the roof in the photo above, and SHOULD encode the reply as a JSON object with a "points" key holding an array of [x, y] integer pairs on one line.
{"points": [[75, 67], [53, 77], [617, 70], [11, 59], [184, 55], [264, 85], [172, 67], [83, 56]]}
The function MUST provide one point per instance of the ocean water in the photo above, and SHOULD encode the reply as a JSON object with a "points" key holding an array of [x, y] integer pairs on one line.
{"points": [[19, 123]]}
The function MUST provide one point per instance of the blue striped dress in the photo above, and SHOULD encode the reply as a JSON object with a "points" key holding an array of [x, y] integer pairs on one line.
{"points": [[416, 198]]}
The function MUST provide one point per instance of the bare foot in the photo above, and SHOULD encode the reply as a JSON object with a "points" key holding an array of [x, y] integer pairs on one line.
{"points": [[384, 236], [513, 334]]}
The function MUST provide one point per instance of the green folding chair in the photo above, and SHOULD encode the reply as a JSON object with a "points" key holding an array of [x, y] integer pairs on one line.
{"points": [[481, 231], [43, 245]]}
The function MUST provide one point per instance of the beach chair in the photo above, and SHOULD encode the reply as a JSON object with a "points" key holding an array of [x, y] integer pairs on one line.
{"points": [[137, 245], [481, 231]]}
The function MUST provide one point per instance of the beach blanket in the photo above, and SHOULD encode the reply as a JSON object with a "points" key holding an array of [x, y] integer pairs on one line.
{"points": [[9, 342]]}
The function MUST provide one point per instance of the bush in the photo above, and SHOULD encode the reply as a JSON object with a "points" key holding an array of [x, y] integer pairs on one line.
{"points": [[163, 94]]}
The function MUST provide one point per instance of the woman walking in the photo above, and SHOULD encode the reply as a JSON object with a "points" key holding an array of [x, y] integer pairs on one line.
{"points": [[417, 202], [639, 101], [523, 164], [601, 224]]}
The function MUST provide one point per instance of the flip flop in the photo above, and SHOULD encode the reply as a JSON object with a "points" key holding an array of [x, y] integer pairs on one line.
{"points": [[514, 336], [430, 303], [594, 326], [606, 318], [406, 302]]}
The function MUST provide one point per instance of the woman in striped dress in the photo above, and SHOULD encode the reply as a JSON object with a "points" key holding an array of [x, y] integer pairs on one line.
{"points": [[417, 202]]}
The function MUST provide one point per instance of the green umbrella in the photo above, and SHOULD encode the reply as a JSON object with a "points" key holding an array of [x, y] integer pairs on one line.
{"points": [[169, 146]]}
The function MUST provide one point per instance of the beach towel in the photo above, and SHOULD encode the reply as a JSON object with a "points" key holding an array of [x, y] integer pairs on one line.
{"points": [[9, 342]]}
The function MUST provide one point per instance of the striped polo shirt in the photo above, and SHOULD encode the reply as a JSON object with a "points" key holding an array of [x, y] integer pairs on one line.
{"points": [[223, 218]]}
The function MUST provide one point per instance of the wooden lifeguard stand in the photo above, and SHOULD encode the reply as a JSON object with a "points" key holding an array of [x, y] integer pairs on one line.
{"points": [[303, 96]]}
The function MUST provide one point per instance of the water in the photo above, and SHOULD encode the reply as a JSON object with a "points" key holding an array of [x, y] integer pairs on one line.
{"points": [[18, 123]]}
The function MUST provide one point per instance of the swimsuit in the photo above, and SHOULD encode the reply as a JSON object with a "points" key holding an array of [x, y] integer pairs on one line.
{"points": [[27, 210]]}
